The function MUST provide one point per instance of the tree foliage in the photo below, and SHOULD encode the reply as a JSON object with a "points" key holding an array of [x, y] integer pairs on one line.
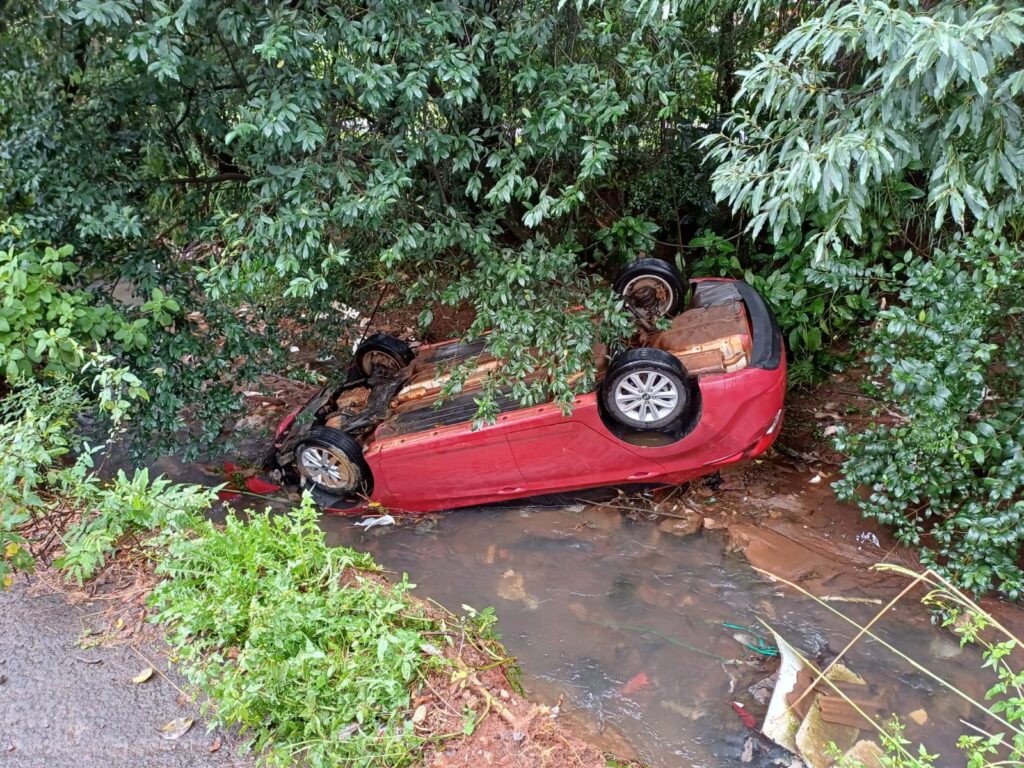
{"points": [[238, 167], [948, 475], [875, 120], [877, 135], [283, 161]]}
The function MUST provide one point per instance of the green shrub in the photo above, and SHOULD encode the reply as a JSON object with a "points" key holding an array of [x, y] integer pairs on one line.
{"points": [[125, 507], [317, 671], [35, 426], [947, 470], [37, 431], [47, 326]]}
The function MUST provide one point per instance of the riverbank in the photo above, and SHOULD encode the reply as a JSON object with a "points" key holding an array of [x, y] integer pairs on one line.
{"points": [[89, 674]]}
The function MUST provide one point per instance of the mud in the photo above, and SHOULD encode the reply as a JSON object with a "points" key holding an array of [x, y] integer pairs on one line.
{"points": [[63, 705]]}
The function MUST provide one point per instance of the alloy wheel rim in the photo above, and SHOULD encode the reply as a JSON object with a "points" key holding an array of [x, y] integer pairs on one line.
{"points": [[326, 468], [646, 396]]}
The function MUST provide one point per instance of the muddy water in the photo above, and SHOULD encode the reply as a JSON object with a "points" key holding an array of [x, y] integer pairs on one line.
{"points": [[624, 625]]}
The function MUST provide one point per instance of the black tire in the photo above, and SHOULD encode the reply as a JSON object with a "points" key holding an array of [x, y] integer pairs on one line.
{"points": [[382, 352], [646, 389], [332, 461], [652, 286]]}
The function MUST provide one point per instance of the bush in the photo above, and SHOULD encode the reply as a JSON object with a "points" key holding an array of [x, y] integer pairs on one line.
{"points": [[37, 431], [262, 623], [46, 326], [35, 424], [947, 471], [813, 306], [124, 508]]}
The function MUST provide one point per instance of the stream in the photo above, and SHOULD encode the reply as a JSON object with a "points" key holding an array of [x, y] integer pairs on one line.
{"points": [[623, 625]]}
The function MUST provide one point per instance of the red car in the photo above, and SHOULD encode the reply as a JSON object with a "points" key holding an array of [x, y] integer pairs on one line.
{"points": [[682, 402]]}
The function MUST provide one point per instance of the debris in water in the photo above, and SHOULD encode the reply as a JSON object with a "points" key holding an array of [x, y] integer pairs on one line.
{"points": [[751, 640], [806, 715], [761, 691], [374, 522], [865, 753], [746, 717], [512, 587], [637, 682], [747, 754], [260, 486], [690, 713], [919, 716], [843, 599]]}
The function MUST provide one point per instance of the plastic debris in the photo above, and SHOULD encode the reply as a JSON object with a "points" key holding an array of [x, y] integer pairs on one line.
{"points": [[637, 682], [748, 750], [259, 485], [374, 522], [752, 641], [746, 717]]}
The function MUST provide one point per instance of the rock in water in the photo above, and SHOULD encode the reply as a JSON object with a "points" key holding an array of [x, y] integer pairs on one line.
{"points": [[685, 522]]}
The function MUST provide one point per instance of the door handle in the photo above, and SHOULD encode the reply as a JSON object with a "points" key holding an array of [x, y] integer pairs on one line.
{"points": [[639, 475]]}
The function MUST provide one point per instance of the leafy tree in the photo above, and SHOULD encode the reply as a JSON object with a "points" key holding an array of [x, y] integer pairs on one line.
{"points": [[47, 327], [881, 121], [876, 134], [259, 162]]}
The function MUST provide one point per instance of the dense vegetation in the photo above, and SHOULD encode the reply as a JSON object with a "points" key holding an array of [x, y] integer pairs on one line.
{"points": [[305, 650], [313, 659], [177, 178]]}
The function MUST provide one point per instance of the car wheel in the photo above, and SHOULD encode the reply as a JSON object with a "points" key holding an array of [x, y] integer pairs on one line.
{"points": [[645, 389], [651, 286], [382, 353], [332, 461]]}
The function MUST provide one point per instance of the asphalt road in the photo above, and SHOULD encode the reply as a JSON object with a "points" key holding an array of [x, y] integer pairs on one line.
{"points": [[57, 709]]}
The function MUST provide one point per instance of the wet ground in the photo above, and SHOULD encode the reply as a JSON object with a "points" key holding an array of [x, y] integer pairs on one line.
{"points": [[66, 702]]}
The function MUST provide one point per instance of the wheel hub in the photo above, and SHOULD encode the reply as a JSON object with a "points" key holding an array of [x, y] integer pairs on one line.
{"points": [[646, 396], [650, 294], [326, 468], [375, 360]]}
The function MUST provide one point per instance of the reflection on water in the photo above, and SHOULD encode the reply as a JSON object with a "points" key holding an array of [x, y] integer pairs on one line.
{"points": [[626, 623]]}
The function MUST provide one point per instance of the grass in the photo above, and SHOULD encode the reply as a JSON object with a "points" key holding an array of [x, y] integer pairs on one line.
{"points": [[297, 643]]}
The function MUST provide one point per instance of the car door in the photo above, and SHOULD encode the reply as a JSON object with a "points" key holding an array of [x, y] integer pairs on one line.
{"points": [[453, 465], [570, 454]]}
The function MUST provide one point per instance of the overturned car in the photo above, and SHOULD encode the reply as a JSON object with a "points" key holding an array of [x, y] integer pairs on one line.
{"points": [[681, 402]]}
